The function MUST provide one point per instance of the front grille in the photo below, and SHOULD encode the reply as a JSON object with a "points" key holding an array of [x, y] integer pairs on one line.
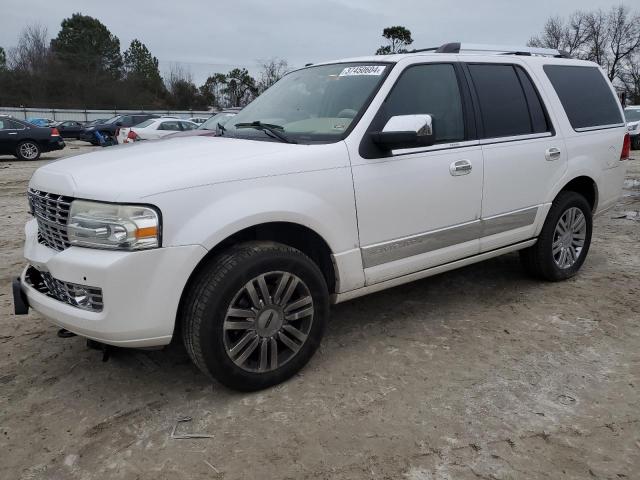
{"points": [[52, 213], [81, 296]]}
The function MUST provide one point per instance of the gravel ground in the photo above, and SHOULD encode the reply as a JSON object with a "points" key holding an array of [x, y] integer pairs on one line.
{"points": [[479, 373]]}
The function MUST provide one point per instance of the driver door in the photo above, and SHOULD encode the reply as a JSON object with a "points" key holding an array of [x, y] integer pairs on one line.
{"points": [[420, 207]]}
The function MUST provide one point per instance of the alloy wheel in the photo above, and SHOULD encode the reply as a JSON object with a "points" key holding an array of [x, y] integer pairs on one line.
{"points": [[29, 150], [268, 321], [569, 238]]}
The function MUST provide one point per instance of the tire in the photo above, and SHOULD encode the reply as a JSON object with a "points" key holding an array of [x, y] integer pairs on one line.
{"points": [[223, 318], [540, 260], [635, 142], [28, 150]]}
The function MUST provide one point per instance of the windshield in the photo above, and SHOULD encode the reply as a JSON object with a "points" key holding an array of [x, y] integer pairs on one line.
{"points": [[113, 119], [315, 104], [212, 122], [632, 115]]}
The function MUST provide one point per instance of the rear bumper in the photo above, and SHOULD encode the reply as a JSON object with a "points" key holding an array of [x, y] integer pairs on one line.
{"points": [[53, 145], [141, 290]]}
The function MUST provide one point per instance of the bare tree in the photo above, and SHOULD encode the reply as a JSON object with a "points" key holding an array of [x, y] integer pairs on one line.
{"points": [[569, 36], [608, 38], [598, 37], [631, 78], [552, 36], [271, 71], [624, 38], [31, 53]]}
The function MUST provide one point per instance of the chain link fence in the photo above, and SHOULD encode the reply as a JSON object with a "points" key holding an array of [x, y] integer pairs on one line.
{"points": [[84, 115]]}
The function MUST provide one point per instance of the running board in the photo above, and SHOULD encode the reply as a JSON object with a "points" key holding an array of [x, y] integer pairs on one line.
{"points": [[429, 272]]}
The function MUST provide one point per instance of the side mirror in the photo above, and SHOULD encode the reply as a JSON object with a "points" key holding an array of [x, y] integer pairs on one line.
{"points": [[406, 131]]}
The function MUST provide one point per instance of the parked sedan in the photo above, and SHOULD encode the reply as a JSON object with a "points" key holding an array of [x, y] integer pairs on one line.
{"points": [[27, 141], [70, 129], [156, 128], [111, 127]]}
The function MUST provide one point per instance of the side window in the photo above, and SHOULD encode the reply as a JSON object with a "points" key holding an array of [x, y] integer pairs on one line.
{"points": [[429, 89], [539, 119], [3, 124], [503, 103], [12, 125], [126, 120], [169, 126], [585, 96], [187, 126]]}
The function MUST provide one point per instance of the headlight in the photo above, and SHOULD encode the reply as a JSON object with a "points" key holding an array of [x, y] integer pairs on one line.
{"points": [[112, 226]]}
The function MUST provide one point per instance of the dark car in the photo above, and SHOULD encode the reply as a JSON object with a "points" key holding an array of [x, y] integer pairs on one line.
{"points": [[109, 128], [210, 128], [70, 129], [27, 141]]}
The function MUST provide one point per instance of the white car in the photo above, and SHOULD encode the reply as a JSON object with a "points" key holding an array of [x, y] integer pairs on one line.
{"points": [[342, 179], [156, 128], [199, 120], [632, 117]]}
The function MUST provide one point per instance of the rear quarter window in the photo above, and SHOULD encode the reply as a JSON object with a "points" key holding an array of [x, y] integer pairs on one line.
{"points": [[585, 95]]}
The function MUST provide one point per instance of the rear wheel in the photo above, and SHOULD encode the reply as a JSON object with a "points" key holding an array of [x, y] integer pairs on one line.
{"points": [[28, 150], [564, 241], [255, 315]]}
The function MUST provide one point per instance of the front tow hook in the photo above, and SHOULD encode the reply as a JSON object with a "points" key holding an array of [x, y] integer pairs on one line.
{"points": [[20, 300]]}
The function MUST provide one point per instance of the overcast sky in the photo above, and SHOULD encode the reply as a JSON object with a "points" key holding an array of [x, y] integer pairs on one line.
{"points": [[209, 36]]}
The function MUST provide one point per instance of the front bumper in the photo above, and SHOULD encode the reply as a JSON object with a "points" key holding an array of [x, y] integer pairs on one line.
{"points": [[141, 290]]}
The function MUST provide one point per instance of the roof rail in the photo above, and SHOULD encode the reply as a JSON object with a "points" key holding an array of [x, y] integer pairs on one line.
{"points": [[457, 47]]}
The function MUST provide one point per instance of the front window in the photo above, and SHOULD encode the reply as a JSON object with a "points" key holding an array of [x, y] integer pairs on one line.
{"points": [[632, 115], [113, 120], [315, 104]]}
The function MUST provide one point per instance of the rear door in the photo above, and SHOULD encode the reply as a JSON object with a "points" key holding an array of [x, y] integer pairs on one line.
{"points": [[167, 127], [523, 155], [10, 135], [415, 210]]}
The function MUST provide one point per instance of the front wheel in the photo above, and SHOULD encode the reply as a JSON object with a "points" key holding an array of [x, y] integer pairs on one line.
{"points": [[255, 315], [564, 241], [28, 150]]}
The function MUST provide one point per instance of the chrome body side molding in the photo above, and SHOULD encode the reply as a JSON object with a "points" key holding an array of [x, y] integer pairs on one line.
{"points": [[397, 249], [394, 282]]}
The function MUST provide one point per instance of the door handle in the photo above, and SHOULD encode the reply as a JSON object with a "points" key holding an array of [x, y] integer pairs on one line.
{"points": [[552, 154], [460, 167], [13, 133]]}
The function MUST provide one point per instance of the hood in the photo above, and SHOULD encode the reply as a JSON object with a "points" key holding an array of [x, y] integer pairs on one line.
{"points": [[134, 171]]}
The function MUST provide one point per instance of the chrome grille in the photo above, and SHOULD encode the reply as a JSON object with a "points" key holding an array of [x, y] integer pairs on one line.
{"points": [[81, 296], [52, 212]]}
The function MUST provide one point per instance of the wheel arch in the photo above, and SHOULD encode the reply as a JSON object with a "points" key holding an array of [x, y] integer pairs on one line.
{"points": [[292, 234], [585, 186]]}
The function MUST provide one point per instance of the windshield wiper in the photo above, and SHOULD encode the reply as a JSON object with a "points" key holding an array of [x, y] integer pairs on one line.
{"points": [[275, 130]]}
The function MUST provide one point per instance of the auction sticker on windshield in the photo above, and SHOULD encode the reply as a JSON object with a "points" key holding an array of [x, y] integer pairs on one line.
{"points": [[362, 70]]}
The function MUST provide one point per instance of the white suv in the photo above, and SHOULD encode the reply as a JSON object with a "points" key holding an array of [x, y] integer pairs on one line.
{"points": [[343, 179]]}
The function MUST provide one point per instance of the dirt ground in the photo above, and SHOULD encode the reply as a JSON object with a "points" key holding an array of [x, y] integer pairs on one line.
{"points": [[480, 373]]}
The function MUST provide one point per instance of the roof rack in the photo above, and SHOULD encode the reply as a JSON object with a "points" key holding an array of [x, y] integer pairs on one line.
{"points": [[457, 47]]}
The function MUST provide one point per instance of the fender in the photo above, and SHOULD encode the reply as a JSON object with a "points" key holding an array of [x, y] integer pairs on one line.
{"points": [[223, 209]]}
